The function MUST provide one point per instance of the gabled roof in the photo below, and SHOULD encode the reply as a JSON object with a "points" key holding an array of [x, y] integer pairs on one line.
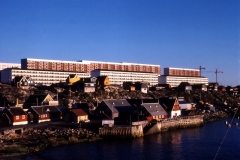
{"points": [[167, 103], [118, 105], [155, 109], [45, 109], [84, 106], [138, 102], [79, 112], [15, 111], [37, 97], [18, 78]]}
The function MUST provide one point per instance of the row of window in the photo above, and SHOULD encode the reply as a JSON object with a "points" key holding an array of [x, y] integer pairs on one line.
{"points": [[160, 116], [23, 117], [49, 73], [43, 116]]}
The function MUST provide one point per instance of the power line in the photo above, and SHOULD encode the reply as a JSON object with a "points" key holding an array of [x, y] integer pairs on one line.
{"points": [[225, 135]]}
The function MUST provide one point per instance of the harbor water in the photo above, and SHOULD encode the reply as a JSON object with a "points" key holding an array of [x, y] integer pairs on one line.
{"points": [[213, 140]]}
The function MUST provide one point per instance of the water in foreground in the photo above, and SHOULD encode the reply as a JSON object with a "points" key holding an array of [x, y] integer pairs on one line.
{"points": [[185, 144]]}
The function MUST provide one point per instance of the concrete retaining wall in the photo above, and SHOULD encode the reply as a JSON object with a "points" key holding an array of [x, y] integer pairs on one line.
{"points": [[121, 132], [151, 128], [175, 123]]}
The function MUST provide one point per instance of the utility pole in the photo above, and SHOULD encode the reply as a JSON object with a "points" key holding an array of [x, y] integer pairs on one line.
{"points": [[217, 74], [200, 68]]}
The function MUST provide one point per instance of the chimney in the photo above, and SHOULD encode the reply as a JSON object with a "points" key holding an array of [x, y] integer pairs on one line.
{"points": [[16, 102]]}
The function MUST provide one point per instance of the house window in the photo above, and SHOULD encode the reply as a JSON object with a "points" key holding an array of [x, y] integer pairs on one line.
{"points": [[17, 117], [23, 116]]}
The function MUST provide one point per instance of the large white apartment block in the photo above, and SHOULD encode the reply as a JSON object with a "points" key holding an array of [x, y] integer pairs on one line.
{"points": [[9, 65], [86, 66], [39, 77], [181, 72], [174, 81], [118, 77]]}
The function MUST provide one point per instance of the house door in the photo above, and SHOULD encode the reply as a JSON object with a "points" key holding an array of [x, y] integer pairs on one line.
{"points": [[175, 115], [30, 117]]}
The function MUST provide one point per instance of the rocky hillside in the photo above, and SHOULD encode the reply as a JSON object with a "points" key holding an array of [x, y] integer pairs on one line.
{"points": [[67, 97]]}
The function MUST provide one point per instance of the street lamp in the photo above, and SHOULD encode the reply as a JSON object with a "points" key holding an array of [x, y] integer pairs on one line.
{"points": [[112, 110]]}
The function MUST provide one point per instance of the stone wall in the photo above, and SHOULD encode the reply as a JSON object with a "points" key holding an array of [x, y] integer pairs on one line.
{"points": [[121, 132], [174, 123], [150, 128]]}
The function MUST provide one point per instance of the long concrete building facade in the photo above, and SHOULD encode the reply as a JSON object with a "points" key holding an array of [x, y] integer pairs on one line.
{"points": [[118, 77], [174, 76], [86, 66], [181, 72], [47, 72], [9, 65], [40, 77]]}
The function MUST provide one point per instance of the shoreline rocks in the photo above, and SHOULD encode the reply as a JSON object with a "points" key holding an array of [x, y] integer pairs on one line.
{"points": [[215, 116], [36, 139]]}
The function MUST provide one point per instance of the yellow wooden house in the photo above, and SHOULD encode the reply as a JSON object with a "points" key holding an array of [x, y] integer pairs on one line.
{"points": [[72, 78], [102, 81]]}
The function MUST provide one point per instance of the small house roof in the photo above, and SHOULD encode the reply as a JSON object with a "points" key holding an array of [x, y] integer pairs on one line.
{"points": [[45, 109], [18, 78], [167, 103], [118, 105], [15, 111], [155, 109], [138, 102], [79, 112]]}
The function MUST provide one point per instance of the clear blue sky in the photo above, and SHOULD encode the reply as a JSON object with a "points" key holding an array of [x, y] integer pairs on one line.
{"points": [[171, 33]]}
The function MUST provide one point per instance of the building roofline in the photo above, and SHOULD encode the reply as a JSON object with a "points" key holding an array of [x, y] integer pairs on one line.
{"points": [[182, 68], [48, 60], [10, 63], [119, 63], [89, 62]]}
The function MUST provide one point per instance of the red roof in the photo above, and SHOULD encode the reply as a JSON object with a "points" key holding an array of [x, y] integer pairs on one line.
{"points": [[79, 112]]}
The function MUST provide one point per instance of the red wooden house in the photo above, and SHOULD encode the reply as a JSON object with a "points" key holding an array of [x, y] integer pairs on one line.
{"points": [[14, 116], [171, 105], [38, 114]]}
